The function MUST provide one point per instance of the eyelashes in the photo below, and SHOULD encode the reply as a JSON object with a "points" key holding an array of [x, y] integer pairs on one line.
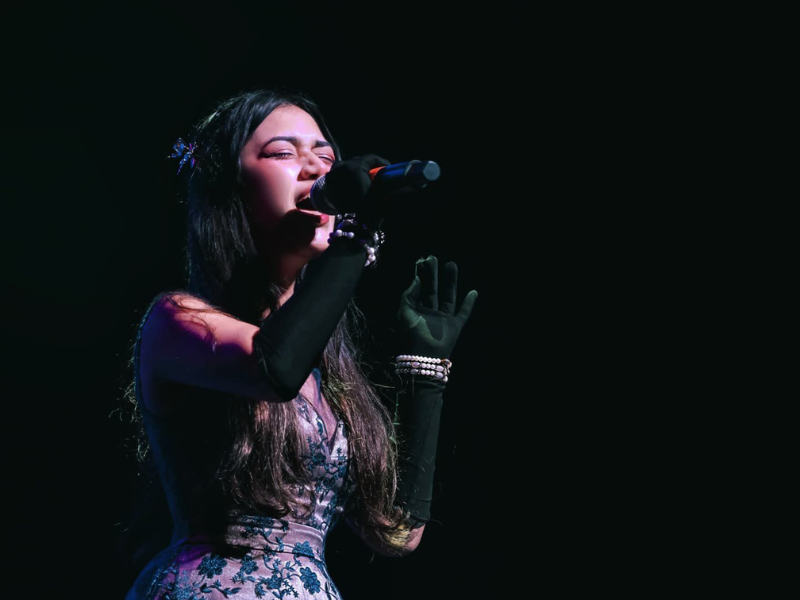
{"points": [[289, 155]]}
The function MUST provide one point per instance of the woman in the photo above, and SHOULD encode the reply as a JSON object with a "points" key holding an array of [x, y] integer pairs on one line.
{"points": [[253, 408]]}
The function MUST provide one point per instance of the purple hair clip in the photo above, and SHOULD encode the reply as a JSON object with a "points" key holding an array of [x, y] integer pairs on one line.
{"points": [[185, 152]]}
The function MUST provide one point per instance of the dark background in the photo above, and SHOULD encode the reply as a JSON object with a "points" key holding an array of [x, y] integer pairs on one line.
{"points": [[570, 140], [93, 230], [553, 129]]}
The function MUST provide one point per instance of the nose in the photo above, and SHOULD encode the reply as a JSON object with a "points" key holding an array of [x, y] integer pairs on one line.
{"points": [[313, 167]]}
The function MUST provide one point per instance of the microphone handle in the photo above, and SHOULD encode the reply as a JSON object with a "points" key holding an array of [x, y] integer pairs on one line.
{"points": [[407, 176], [389, 181]]}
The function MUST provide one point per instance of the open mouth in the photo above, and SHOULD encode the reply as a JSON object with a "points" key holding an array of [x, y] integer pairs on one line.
{"points": [[305, 204]]}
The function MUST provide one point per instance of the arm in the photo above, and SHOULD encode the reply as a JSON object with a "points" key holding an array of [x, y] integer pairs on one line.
{"points": [[429, 326], [186, 341], [290, 342]]}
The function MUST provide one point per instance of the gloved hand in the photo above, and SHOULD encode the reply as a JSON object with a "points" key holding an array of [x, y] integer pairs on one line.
{"points": [[429, 323], [348, 186]]}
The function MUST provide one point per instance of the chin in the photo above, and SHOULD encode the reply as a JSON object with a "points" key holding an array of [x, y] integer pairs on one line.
{"points": [[320, 241], [317, 248]]}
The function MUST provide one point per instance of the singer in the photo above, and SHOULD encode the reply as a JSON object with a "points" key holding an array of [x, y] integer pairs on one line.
{"points": [[258, 422]]}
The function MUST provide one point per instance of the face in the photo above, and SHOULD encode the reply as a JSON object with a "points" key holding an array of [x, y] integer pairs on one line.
{"points": [[280, 162]]}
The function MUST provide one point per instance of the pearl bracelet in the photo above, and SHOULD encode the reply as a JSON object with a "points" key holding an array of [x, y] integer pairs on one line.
{"points": [[370, 240], [435, 368]]}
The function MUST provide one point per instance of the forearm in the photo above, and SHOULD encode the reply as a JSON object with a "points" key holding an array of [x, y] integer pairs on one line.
{"points": [[419, 409], [291, 340]]}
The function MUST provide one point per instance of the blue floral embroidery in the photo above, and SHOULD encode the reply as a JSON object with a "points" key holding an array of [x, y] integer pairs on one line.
{"points": [[274, 568], [263, 526], [244, 574], [248, 565], [303, 549], [182, 588], [280, 580], [211, 565], [316, 457], [217, 585], [310, 580], [275, 582]]}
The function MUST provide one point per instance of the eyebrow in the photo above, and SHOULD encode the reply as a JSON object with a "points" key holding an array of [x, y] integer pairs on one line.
{"points": [[296, 141]]}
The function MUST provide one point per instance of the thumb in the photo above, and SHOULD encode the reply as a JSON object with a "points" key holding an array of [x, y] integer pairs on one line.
{"points": [[467, 305]]}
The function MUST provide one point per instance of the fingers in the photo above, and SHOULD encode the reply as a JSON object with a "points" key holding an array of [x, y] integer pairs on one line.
{"points": [[466, 307], [449, 285], [424, 290], [371, 161], [427, 269], [411, 293]]}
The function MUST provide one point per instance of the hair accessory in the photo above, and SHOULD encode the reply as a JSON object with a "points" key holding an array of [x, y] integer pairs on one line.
{"points": [[412, 364], [349, 227], [185, 152]]}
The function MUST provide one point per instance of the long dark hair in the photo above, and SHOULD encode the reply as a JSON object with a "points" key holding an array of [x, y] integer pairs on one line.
{"points": [[265, 463]]}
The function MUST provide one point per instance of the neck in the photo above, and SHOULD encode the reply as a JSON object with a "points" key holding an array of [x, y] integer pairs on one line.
{"points": [[283, 270], [287, 293]]}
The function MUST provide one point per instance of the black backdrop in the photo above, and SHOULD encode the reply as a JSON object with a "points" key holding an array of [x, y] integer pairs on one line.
{"points": [[93, 230], [564, 136]]}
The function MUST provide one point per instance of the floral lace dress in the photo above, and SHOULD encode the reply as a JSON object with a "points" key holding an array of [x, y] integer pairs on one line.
{"points": [[259, 556]]}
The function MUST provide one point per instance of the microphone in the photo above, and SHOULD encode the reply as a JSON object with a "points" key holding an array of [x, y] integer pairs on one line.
{"points": [[391, 180]]}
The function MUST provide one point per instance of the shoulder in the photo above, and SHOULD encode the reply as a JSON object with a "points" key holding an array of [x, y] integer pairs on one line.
{"points": [[175, 301], [187, 340], [172, 319], [175, 334], [178, 307]]}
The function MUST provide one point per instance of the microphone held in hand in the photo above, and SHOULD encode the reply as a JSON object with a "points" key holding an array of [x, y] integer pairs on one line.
{"points": [[386, 182]]}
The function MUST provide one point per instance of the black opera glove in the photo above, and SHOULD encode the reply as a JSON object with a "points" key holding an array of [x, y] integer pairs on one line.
{"points": [[429, 322], [291, 340], [429, 326]]}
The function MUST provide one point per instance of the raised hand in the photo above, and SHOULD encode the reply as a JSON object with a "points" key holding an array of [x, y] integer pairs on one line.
{"points": [[430, 320]]}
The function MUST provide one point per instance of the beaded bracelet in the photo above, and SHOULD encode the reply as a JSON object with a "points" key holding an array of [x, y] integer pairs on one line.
{"points": [[349, 227], [435, 368]]}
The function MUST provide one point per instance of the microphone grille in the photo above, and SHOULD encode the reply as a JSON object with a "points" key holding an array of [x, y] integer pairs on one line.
{"points": [[317, 187], [320, 199]]}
